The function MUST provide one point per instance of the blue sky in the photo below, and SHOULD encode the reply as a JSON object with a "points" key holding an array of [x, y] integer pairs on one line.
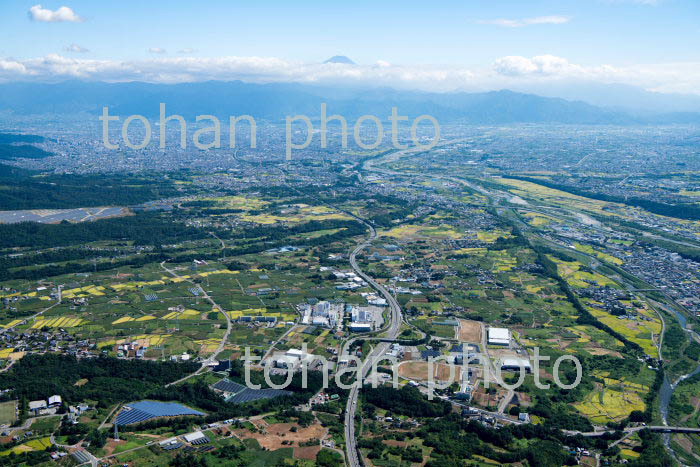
{"points": [[467, 35]]}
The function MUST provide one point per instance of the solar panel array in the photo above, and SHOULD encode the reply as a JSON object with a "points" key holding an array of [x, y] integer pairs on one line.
{"points": [[250, 395], [172, 447], [145, 410], [229, 386], [202, 440], [242, 394], [81, 457]]}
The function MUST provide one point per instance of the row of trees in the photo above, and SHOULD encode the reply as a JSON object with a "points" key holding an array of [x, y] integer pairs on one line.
{"points": [[680, 211], [110, 380], [146, 228], [584, 316], [21, 190]]}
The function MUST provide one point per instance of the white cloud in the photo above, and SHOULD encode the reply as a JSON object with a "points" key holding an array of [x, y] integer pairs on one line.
{"points": [[541, 64], [76, 49], [157, 50], [186, 50], [518, 23], [12, 68], [44, 15], [505, 72]]}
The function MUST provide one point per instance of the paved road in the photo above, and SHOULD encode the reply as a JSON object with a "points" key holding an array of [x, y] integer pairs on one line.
{"points": [[29, 318], [392, 333], [224, 339], [629, 431]]}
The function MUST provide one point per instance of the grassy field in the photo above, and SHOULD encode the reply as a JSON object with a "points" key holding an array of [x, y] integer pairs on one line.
{"points": [[46, 425], [613, 398], [34, 445], [416, 231], [599, 254], [8, 411], [644, 332], [573, 272]]}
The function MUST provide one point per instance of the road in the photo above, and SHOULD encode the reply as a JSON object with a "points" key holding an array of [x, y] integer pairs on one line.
{"points": [[381, 348], [493, 379], [29, 318], [628, 431], [224, 339], [34, 316]]}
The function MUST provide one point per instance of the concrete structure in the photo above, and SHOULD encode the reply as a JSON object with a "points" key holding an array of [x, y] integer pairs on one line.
{"points": [[291, 359], [193, 437], [37, 406], [515, 364], [499, 336], [360, 315], [55, 401], [323, 313]]}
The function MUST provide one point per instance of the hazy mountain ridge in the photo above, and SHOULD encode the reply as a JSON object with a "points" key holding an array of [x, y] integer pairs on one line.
{"points": [[275, 101]]}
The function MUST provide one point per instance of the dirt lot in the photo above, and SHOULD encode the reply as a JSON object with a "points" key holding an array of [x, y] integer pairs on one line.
{"points": [[469, 331], [273, 435], [483, 399], [419, 371], [307, 452], [600, 351]]}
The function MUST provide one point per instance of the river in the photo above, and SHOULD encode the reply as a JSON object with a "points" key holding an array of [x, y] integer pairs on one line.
{"points": [[668, 388]]}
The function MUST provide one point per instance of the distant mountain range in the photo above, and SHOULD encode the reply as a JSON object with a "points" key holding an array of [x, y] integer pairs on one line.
{"points": [[275, 101], [631, 99]]}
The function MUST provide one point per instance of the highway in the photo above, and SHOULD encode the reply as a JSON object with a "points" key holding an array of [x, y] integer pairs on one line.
{"points": [[353, 456], [392, 332]]}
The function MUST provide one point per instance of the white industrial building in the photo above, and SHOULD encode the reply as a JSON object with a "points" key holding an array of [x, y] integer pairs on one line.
{"points": [[41, 407], [362, 319], [499, 336], [195, 437], [55, 401], [323, 313], [37, 406], [516, 364], [292, 359], [362, 315]]}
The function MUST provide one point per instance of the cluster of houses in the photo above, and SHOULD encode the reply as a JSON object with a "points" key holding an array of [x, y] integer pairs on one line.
{"points": [[347, 280], [269, 321], [51, 340]]}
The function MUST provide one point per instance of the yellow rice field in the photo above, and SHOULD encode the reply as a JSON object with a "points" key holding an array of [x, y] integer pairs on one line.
{"points": [[63, 322]]}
